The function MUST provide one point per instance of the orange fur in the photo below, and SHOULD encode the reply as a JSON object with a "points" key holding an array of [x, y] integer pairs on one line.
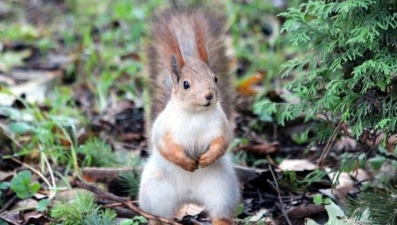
{"points": [[222, 222], [217, 148], [200, 35], [175, 154], [167, 41]]}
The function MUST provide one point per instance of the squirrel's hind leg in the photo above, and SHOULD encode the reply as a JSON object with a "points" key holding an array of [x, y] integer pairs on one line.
{"points": [[222, 222], [220, 192], [157, 195]]}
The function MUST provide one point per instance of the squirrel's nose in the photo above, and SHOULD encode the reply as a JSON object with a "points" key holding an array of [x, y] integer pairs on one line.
{"points": [[209, 95]]}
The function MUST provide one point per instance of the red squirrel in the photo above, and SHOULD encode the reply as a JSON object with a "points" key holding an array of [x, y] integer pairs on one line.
{"points": [[189, 119]]}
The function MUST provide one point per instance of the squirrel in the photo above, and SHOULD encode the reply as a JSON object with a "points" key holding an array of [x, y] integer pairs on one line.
{"points": [[188, 122]]}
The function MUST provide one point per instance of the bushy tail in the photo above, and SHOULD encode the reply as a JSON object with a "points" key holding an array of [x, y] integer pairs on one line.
{"points": [[185, 33]]}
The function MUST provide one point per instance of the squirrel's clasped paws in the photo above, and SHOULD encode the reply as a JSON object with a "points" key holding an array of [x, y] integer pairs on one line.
{"points": [[208, 158], [189, 164]]}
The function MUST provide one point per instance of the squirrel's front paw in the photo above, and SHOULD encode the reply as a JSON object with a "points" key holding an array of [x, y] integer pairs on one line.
{"points": [[189, 165], [207, 159]]}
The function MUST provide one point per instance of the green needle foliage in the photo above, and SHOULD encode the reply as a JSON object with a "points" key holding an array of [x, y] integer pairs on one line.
{"points": [[348, 65], [98, 153], [347, 71], [82, 211], [130, 182], [377, 208]]}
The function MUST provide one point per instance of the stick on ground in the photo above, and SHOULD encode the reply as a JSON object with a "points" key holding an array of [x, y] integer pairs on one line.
{"points": [[279, 195]]}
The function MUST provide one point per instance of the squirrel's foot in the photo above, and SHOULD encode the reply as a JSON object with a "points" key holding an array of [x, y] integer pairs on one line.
{"points": [[222, 222]]}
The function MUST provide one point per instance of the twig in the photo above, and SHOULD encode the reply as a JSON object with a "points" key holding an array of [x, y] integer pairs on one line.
{"points": [[328, 146], [122, 211], [279, 195], [52, 193], [119, 208], [124, 201], [110, 205], [387, 156], [8, 204]]}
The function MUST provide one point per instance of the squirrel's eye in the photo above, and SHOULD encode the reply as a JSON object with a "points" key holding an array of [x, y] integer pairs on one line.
{"points": [[186, 85], [215, 79]]}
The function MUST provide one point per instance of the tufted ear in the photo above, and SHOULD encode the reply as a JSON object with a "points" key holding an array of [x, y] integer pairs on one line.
{"points": [[176, 70], [199, 24]]}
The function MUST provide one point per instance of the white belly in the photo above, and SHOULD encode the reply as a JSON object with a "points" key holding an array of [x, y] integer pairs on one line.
{"points": [[194, 132]]}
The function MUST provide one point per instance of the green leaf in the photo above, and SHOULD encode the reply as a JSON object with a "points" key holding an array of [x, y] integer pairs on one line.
{"points": [[12, 59], [3, 222], [42, 205], [19, 127], [334, 212], [142, 219], [4, 185], [21, 184], [327, 201], [33, 188], [260, 222], [377, 162], [10, 112], [127, 222], [318, 199], [240, 209]]}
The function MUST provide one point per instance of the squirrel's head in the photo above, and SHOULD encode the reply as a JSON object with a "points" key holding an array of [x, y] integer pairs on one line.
{"points": [[194, 84]]}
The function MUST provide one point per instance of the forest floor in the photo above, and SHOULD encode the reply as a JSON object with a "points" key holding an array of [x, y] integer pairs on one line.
{"points": [[72, 113]]}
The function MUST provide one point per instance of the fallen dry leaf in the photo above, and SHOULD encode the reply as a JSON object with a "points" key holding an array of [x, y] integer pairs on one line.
{"points": [[261, 148], [35, 218], [6, 175], [39, 85], [391, 143], [188, 210], [94, 174], [11, 217], [345, 143], [246, 174], [259, 215], [346, 183], [246, 87], [24, 205], [296, 165]]}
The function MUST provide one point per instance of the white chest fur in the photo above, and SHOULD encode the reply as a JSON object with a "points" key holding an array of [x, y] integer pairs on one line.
{"points": [[193, 131]]}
